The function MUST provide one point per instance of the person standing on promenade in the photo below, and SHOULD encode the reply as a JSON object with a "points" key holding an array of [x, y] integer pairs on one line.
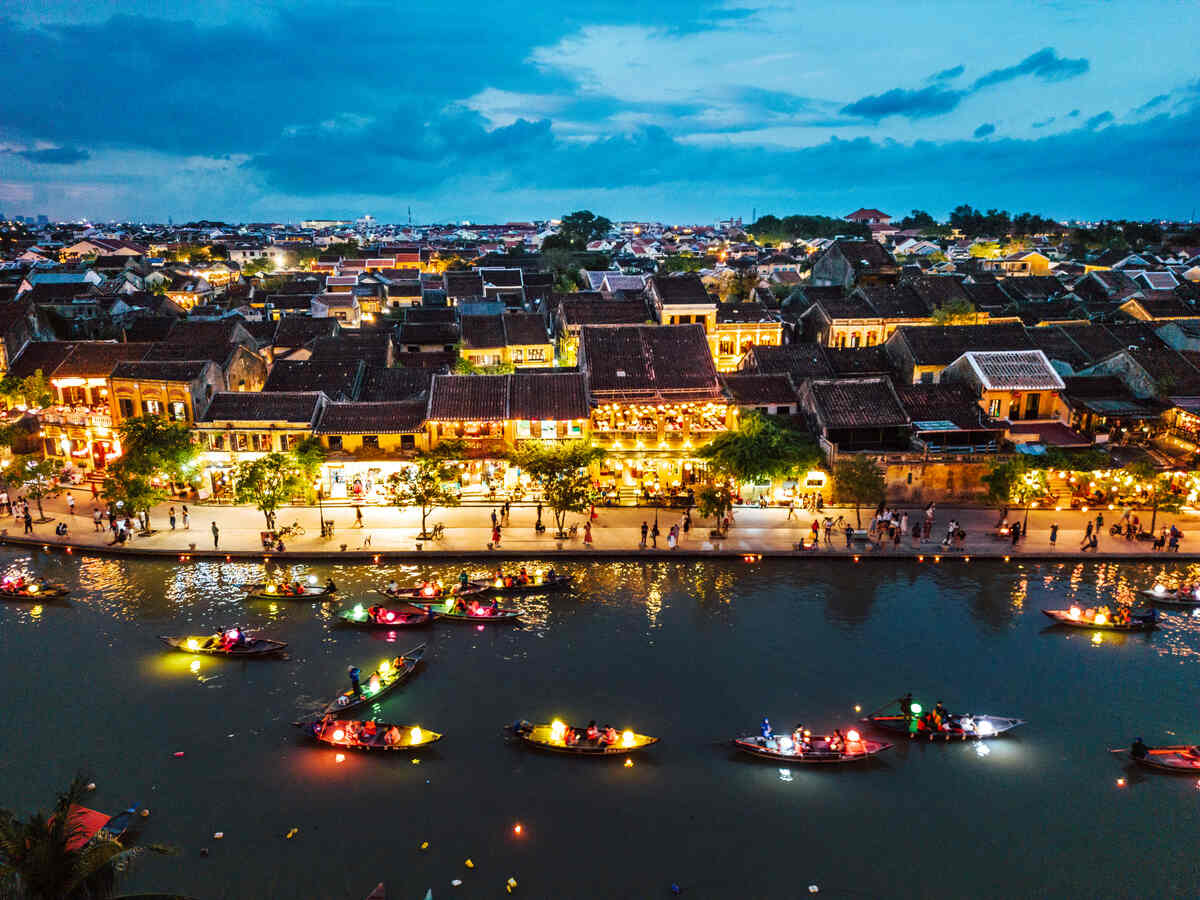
{"points": [[187, 519], [97, 519], [791, 510], [1053, 535], [496, 535], [654, 534], [587, 534], [216, 536], [1099, 520], [171, 517], [828, 523], [1015, 531], [28, 520], [358, 522], [70, 503], [1087, 537], [645, 531], [495, 519], [849, 535], [687, 521]]}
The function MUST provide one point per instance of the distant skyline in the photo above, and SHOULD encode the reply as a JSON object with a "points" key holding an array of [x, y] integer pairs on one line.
{"points": [[678, 111]]}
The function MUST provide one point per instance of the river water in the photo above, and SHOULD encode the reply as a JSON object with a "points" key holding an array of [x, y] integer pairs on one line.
{"points": [[691, 651]]}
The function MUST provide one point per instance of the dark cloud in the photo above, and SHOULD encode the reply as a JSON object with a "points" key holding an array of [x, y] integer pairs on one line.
{"points": [[930, 101], [1073, 114], [56, 156], [1045, 65], [1044, 122], [984, 130], [1153, 102], [1098, 119], [947, 74]]}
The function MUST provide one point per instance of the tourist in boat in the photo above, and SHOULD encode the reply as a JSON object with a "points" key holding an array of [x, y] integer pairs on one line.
{"points": [[392, 736], [1139, 750], [551, 574], [463, 581], [837, 743], [569, 737], [369, 730], [593, 733], [297, 588], [374, 612], [523, 576], [767, 733], [609, 738], [459, 606], [798, 736], [906, 703], [393, 587], [508, 581], [940, 716], [494, 607], [397, 664], [355, 672]]}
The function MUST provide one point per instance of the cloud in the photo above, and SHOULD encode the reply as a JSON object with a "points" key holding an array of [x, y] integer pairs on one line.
{"points": [[1152, 102], [984, 130], [1045, 65], [1044, 122], [947, 74], [1098, 120], [1073, 114], [55, 156], [930, 101]]}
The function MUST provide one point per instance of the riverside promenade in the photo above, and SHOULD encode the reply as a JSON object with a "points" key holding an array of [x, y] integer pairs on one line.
{"points": [[616, 533]]}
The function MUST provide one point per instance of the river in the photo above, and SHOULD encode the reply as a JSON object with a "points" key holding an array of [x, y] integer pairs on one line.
{"points": [[691, 651]]}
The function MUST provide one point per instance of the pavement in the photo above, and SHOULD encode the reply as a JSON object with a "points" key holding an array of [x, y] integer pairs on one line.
{"points": [[391, 533]]}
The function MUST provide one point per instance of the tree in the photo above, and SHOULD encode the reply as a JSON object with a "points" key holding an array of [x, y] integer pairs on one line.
{"points": [[715, 499], [857, 480], [47, 857], [918, 219], [1016, 481], [423, 484], [258, 266], [267, 482], [562, 470], [760, 450], [959, 311], [583, 226], [736, 284], [1154, 490], [39, 478], [133, 490], [32, 390], [155, 452], [309, 454]]}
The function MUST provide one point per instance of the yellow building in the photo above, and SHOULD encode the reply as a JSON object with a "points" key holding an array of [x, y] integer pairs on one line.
{"points": [[518, 339]]}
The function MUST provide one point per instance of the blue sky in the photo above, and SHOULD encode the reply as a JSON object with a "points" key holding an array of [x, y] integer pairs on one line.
{"points": [[681, 111]]}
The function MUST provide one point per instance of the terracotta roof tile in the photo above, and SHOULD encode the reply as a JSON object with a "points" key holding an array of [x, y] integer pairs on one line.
{"points": [[245, 406]]}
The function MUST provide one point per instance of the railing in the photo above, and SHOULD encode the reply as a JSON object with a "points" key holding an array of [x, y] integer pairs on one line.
{"points": [[81, 418]]}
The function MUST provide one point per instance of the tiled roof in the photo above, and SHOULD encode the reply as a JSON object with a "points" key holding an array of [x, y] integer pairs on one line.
{"points": [[394, 384], [745, 312], [858, 360], [369, 346], [427, 333], [297, 331], [40, 355], [932, 346], [680, 289], [759, 390], [160, 370], [1015, 370], [858, 403], [554, 395], [601, 312], [864, 255], [522, 329], [468, 398], [391, 417], [503, 278], [427, 315], [96, 359], [649, 362], [901, 301], [246, 406], [948, 402], [463, 284], [986, 295], [482, 331], [800, 361], [339, 379]]}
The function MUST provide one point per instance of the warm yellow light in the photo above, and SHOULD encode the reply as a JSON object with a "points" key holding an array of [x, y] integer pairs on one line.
{"points": [[384, 667], [193, 644], [558, 728], [627, 738], [415, 734]]}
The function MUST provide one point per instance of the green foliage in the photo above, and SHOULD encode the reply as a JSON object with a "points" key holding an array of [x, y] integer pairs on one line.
{"points": [[423, 484], [259, 266], [759, 449], [342, 248], [736, 285], [857, 480], [685, 262], [562, 470], [37, 477], [1076, 460], [37, 862], [132, 490], [582, 226], [309, 455], [1016, 481], [959, 311], [1155, 490], [153, 446], [267, 483], [997, 222], [33, 390], [714, 499], [918, 218], [789, 228]]}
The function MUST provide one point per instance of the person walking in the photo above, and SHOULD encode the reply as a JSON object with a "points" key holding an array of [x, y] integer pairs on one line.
{"points": [[791, 510], [216, 536], [187, 519], [496, 535], [70, 503], [28, 520], [587, 534], [171, 517], [654, 535], [358, 520], [97, 519], [815, 528], [671, 537], [1053, 535], [1087, 537], [1099, 520], [495, 519], [1015, 532], [645, 531], [687, 521]]}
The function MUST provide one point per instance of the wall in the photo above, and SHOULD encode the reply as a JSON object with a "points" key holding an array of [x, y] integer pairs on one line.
{"points": [[936, 481]]}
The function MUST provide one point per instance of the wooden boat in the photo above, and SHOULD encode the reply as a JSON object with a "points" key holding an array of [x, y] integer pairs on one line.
{"points": [[416, 594], [781, 748], [1160, 596], [1076, 618], [1181, 760], [278, 592], [90, 825], [483, 617], [210, 645], [345, 735], [415, 617], [962, 727], [389, 678], [42, 592], [536, 585], [552, 737]]}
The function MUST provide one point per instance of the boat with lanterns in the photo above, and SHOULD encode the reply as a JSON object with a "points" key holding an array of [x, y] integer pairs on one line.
{"points": [[389, 675], [360, 616], [536, 582], [1102, 619], [955, 727], [472, 611], [807, 748], [368, 734], [558, 737], [1182, 597], [225, 643], [1181, 760], [32, 591], [431, 591], [290, 590]]}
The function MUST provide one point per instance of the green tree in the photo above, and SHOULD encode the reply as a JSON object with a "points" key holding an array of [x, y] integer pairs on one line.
{"points": [[1016, 481], [45, 856], [309, 455], [156, 447], [133, 490], [715, 499], [759, 450], [423, 484], [258, 266], [267, 483], [562, 470], [918, 218], [38, 478], [32, 390], [685, 262], [959, 311], [1153, 489], [736, 285], [857, 480], [583, 226]]}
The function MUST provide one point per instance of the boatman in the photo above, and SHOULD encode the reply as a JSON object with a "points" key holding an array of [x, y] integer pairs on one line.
{"points": [[354, 673], [766, 728], [906, 706], [1139, 749]]}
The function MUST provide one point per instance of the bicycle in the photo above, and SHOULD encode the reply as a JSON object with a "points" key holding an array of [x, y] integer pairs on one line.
{"points": [[293, 530]]}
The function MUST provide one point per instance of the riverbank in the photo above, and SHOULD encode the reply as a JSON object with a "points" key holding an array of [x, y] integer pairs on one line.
{"points": [[390, 534]]}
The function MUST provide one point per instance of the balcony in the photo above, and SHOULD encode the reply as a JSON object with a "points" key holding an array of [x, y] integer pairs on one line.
{"points": [[80, 416]]}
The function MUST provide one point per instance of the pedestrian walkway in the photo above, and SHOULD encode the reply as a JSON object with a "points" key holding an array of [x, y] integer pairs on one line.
{"points": [[616, 532]]}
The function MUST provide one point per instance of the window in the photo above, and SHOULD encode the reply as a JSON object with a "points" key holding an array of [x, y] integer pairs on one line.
{"points": [[536, 354], [1031, 405], [549, 430], [926, 378], [517, 355], [178, 411], [51, 445], [335, 442], [726, 346], [125, 407], [574, 429], [371, 441], [218, 442], [408, 442], [413, 348], [993, 408], [240, 441], [523, 428], [152, 407]]}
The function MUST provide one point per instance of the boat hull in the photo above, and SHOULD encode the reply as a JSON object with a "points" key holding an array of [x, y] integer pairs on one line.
{"points": [[346, 701], [856, 751], [260, 647], [1062, 617], [996, 726]]}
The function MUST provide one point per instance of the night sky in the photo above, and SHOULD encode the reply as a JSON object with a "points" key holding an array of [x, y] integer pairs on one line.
{"points": [[668, 110]]}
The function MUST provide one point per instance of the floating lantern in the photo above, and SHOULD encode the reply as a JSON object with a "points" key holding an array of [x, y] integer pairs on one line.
{"points": [[517, 828], [1159, 589], [341, 757], [312, 579], [415, 734], [628, 763]]}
